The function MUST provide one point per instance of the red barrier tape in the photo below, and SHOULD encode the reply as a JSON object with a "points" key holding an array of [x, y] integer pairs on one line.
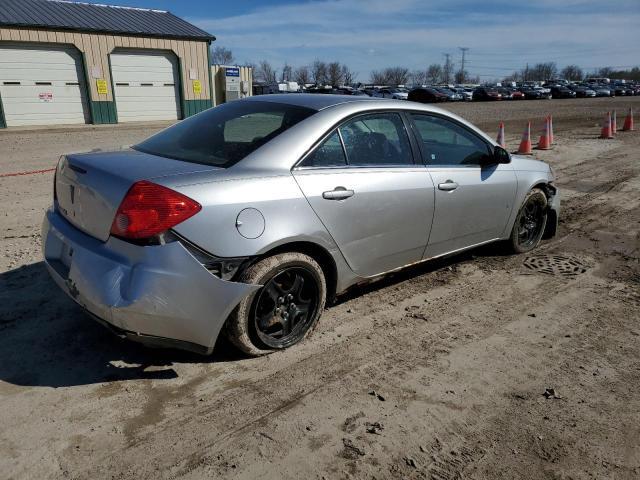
{"points": [[27, 173]]}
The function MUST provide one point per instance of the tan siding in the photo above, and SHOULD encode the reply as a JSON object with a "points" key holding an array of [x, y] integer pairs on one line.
{"points": [[97, 47], [197, 65]]}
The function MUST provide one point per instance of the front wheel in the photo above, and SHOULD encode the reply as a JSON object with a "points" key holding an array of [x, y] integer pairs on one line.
{"points": [[530, 223], [285, 310]]}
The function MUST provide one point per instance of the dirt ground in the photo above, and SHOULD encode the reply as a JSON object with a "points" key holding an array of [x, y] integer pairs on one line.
{"points": [[438, 372]]}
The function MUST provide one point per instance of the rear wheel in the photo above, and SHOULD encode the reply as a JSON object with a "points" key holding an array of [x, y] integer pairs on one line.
{"points": [[530, 223], [285, 310]]}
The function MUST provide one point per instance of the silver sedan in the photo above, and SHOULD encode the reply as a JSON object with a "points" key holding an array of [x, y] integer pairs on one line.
{"points": [[249, 217]]}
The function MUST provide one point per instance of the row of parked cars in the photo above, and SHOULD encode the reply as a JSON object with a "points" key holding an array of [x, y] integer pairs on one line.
{"points": [[526, 91]]}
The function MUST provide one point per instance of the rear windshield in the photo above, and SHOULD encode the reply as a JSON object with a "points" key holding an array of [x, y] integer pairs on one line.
{"points": [[224, 135]]}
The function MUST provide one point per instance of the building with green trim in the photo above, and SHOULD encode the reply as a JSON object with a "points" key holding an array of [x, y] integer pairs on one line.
{"points": [[66, 63]]}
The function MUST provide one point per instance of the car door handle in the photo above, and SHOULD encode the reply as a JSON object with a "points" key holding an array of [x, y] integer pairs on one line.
{"points": [[448, 185], [338, 193]]}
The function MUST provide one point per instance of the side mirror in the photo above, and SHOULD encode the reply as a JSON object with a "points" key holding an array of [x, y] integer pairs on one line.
{"points": [[500, 155]]}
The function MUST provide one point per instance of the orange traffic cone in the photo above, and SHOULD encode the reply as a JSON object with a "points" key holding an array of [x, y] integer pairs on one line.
{"points": [[628, 122], [500, 139], [606, 127], [614, 124], [545, 138], [551, 129], [525, 143]]}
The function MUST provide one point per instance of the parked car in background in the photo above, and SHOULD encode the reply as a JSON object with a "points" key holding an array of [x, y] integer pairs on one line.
{"points": [[348, 91], [559, 91], [426, 95], [530, 93], [582, 91], [467, 93], [598, 80], [602, 90], [506, 93], [177, 240], [482, 94], [395, 93], [452, 96], [545, 92], [621, 89]]}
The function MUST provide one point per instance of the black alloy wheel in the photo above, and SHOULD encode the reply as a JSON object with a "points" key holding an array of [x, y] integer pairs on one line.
{"points": [[286, 307]]}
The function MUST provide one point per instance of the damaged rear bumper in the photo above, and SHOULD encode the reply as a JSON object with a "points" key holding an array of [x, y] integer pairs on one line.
{"points": [[158, 295]]}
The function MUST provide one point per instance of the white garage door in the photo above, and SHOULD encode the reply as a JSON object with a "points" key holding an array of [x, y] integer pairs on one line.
{"points": [[146, 86], [42, 85]]}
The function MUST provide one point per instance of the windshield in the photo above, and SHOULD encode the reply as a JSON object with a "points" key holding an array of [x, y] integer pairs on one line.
{"points": [[224, 135]]}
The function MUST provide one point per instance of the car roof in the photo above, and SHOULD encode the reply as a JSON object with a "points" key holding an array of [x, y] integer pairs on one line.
{"points": [[314, 101]]}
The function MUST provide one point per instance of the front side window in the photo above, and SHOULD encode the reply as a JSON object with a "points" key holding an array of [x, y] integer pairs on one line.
{"points": [[224, 135], [446, 143], [375, 140]]}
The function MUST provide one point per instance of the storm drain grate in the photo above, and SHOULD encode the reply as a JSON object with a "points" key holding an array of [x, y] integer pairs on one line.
{"points": [[564, 265]]}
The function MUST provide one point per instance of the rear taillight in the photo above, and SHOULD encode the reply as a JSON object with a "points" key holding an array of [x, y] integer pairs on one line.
{"points": [[149, 209]]}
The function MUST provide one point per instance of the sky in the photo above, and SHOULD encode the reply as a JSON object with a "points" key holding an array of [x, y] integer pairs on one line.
{"points": [[502, 35]]}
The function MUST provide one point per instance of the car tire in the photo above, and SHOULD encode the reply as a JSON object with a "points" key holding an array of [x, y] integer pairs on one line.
{"points": [[243, 327], [527, 232]]}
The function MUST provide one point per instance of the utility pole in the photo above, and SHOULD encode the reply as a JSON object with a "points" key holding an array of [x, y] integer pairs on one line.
{"points": [[462, 72], [447, 68]]}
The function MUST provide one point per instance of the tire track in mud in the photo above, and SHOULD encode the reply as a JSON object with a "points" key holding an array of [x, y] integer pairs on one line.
{"points": [[439, 339]]}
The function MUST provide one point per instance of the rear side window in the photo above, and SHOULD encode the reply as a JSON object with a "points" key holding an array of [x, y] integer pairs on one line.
{"points": [[224, 135], [376, 139], [329, 154], [446, 143]]}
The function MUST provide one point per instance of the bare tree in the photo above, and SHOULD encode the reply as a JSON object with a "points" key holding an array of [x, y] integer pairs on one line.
{"points": [[348, 77], [287, 73], [397, 75], [334, 74], [461, 76], [302, 76], [514, 77], [221, 56], [434, 73], [418, 77], [572, 72], [544, 71], [379, 77], [266, 73], [605, 72], [319, 72]]}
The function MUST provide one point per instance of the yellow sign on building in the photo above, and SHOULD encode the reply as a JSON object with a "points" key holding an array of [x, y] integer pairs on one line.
{"points": [[102, 86], [197, 87]]}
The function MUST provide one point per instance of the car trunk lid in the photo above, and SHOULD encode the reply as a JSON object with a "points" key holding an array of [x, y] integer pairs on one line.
{"points": [[89, 187]]}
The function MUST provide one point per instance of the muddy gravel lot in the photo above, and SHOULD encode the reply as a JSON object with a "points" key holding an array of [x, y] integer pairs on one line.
{"points": [[438, 372]]}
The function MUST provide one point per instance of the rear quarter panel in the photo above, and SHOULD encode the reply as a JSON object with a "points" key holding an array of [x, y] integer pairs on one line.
{"points": [[286, 212]]}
